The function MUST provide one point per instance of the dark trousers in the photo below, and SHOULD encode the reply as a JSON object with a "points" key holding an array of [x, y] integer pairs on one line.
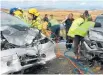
{"points": [[67, 29], [55, 30], [69, 42], [77, 40], [68, 39]]}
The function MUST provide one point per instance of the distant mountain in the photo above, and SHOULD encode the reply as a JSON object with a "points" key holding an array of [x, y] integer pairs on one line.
{"points": [[40, 8]]}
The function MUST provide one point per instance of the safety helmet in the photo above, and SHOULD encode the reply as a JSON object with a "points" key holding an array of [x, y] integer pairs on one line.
{"points": [[33, 11], [37, 14], [17, 12], [12, 10]]}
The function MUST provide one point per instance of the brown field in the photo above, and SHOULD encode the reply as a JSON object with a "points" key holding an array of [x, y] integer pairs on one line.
{"points": [[61, 14]]}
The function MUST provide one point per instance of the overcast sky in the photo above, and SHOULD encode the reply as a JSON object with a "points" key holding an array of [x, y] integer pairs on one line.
{"points": [[59, 4]]}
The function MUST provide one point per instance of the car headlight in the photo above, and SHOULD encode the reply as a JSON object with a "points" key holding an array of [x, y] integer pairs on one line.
{"points": [[93, 45]]}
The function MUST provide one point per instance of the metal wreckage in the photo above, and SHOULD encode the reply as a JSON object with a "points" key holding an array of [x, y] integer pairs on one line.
{"points": [[90, 50], [92, 45], [21, 46]]}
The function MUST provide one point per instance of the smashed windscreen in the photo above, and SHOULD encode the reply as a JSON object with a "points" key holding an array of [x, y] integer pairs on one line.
{"points": [[20, 38], [16, 31]]}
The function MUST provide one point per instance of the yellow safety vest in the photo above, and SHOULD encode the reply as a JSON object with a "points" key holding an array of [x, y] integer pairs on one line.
{"points": [[37, 23], [53, 22], [23, 19], [83, 28], [44, 29], [74, 25], [44, 25], [86, 19]]}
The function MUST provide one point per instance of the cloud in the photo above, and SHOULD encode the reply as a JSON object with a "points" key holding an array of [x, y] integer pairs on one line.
{"points": [[63, 4], [83, 3]]}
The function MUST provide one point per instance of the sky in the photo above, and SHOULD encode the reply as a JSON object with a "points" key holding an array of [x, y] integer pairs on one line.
{"points": [[55, 4]]}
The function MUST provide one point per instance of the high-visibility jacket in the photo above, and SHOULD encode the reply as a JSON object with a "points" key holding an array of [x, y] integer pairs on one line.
{"points": [[23, 19], [44, 29], [53, 22], [45, 25], [89, 16], [83, 28], [37, 23], [74, 25]]}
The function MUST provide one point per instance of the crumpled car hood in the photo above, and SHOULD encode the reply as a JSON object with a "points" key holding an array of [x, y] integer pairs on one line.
{"points": [[96, 34], [17, 37]]}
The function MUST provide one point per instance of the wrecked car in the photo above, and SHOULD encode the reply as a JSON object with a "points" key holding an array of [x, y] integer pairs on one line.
{"points": [[92, 45], [22, 47]]}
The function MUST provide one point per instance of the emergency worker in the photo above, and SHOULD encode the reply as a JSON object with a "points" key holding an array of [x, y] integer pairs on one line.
{"points": [[36, 19], [54, 26]]}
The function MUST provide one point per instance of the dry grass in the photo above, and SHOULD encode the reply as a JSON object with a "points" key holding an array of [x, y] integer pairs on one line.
{"points": [[61, 14]]}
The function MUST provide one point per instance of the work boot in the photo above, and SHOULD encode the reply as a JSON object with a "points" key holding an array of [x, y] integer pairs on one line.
{"points": [[77, 56]]}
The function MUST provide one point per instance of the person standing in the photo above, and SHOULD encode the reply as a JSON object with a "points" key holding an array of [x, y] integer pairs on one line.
{"points": [[87, 15], [46, 18], [71, 31], [68, 22], [45, 30], [36, 20], [80, 32]]}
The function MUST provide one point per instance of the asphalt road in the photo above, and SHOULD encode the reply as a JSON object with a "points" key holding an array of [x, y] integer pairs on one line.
{"points": [[57, 66]]}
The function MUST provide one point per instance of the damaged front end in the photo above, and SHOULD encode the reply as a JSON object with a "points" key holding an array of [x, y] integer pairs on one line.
{"points": [[22, 47], [28, 53], [92, 46]]}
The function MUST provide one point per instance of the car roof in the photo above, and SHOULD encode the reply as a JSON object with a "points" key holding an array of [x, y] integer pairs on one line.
{"points": [[100, 15]]}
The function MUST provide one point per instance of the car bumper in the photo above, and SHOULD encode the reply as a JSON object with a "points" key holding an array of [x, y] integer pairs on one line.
{"points": [[48, 49], [96, 51]]}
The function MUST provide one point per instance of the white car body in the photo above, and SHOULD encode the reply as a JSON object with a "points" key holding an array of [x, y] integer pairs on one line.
{"points": [[18, 58]]}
